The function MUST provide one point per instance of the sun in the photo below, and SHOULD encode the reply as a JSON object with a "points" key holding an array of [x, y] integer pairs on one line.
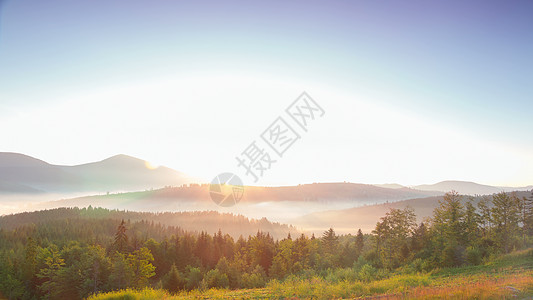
{"points": [[150, 166]]}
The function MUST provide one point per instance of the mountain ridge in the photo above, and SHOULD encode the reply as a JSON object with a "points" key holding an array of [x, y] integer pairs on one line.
{"points": [[468, 187], [21, 173]]}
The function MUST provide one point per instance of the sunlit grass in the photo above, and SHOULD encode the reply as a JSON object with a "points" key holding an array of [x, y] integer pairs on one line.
{"points": [[130, 294]]}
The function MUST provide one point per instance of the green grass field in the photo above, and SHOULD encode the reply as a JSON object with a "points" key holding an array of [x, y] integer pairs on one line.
{"points": [[509, 276]]}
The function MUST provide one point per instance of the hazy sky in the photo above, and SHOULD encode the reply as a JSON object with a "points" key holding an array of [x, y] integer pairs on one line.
{"points": [[414, 91]]}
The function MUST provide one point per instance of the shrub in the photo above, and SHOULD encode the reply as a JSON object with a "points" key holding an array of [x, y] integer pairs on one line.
{"points": [[215, 279], [415, 266], [359, 263], [453, 256], [344, 274], [194, 278], [428, 265], [473, 256], [255, 279], [173, 281], [307, 273], [367, 273]]}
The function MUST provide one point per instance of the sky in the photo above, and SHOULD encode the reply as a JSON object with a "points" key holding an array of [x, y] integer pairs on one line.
{"points": [[413, 92]]}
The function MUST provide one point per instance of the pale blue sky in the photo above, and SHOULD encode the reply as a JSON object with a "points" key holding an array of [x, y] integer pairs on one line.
{"points": [[464, 67]]}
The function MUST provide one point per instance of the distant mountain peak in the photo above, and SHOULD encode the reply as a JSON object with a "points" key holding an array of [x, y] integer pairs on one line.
{"points": [[122, 159], [13, 159], [466, 187], [458, 181], [390, 185]]}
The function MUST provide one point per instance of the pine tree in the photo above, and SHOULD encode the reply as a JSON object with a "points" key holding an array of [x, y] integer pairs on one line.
{"points": [[527, 216], [449, 215], [359, 242], [485, 215], [120, 243], [261, 249], [330, 241], [471, 223], [506, 215], [448, 231], [30, 263], [420, 238], [173, 281]]}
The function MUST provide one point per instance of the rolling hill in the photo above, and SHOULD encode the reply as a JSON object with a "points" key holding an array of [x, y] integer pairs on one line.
{"points": [[468, 188], [194, 222], [256, 202]]}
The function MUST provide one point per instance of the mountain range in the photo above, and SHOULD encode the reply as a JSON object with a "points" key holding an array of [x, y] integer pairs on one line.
{"points": [[20, 173], [462, 187], [125, 182], [129, 183], [469, 188]]}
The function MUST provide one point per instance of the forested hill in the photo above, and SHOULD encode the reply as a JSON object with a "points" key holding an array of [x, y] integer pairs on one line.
{"points": [[208, 221]]}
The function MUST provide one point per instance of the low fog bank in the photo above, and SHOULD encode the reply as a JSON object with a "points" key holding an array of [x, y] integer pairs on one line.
{"points": [[276, 211]]}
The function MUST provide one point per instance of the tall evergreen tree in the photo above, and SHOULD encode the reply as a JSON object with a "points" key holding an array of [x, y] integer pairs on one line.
{"points": [[471, 223], [505, 215], [448, 231], [527, 216], [30, 264], [359, 242], [120, 243], [173, 281], [330, 241], [420, 238], [485, 215]]}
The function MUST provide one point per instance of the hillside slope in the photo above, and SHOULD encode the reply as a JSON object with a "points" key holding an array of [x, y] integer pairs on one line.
{"points": [[209, 221]]}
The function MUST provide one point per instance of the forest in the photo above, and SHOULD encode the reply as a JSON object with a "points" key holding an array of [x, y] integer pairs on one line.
{"points": [[70, 253]]}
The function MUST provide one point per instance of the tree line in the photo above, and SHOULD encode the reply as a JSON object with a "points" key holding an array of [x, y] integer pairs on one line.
{"points": [[74, 258], [210, 221]]}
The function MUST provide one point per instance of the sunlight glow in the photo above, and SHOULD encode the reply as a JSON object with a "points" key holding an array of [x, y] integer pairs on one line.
{"points": [[150, 166], [383, 143]]}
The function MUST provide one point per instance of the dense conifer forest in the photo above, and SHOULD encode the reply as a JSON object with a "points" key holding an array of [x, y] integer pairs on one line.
{"points": [[72, 253]]}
